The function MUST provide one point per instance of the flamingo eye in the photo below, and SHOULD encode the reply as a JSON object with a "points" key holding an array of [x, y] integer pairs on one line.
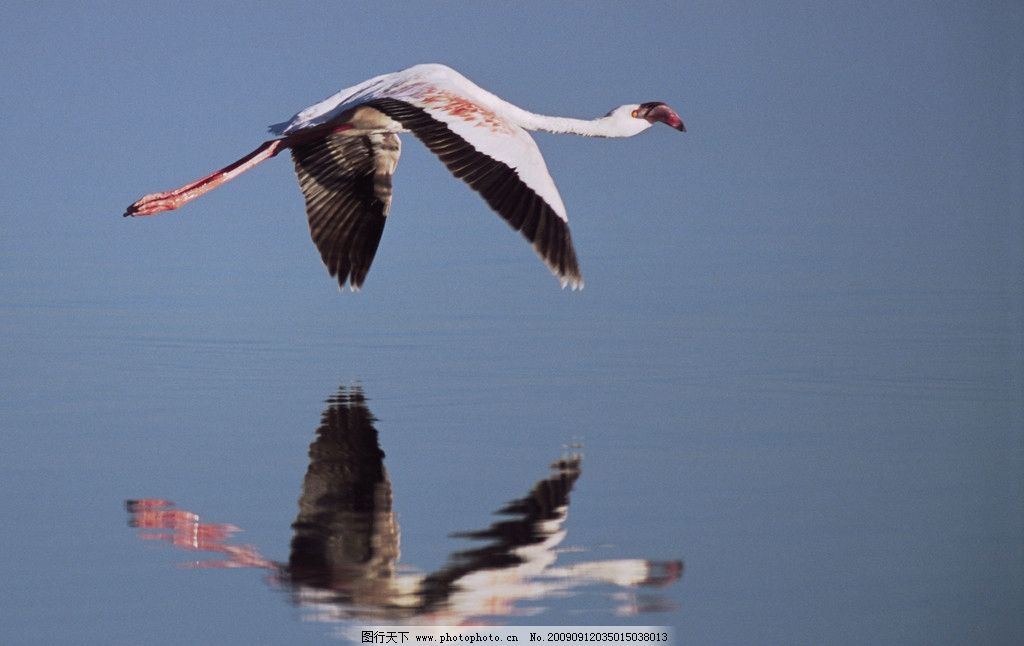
{"points": [[634, 113]]}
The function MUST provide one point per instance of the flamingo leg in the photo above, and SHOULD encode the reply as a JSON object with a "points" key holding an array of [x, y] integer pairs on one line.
{"points": [[167, 201]]}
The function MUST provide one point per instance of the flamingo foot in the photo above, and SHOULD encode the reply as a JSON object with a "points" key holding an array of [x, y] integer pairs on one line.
{"points": [[154, 203]]}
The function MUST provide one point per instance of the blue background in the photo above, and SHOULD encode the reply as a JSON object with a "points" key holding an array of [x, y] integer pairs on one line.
{"points": [[797, 364]]}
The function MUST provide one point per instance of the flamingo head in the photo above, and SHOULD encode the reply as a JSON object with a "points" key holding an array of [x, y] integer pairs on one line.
{"points": [[655, 111], [633, 118]]}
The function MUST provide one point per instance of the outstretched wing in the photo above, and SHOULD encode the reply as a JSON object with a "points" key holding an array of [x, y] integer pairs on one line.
{"points": [[479, 138], [527, 209], [346, 181]]}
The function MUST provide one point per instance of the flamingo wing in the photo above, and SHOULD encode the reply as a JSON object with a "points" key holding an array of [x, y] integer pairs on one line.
{"points": [[346, 181], [527, 206], [476, 135]]}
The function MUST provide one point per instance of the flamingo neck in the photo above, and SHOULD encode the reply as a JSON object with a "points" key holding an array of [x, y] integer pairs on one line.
{"points": [[607, 126]]}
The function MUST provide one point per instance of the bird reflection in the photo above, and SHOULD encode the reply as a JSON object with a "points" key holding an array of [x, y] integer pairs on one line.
{"points": [[343, 561]]}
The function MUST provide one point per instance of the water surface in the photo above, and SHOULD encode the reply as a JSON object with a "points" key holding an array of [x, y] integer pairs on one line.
{"points": [[825, 464]]}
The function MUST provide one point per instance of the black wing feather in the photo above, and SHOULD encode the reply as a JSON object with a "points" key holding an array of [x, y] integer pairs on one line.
{"points": [[346, 181], [498, 183]]}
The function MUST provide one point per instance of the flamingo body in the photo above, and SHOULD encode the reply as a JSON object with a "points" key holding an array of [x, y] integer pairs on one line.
{"points": [[346, 147]]}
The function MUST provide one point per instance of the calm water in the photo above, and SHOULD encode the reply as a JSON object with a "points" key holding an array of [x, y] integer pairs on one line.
{"points": [[746, 466], [788, 408]]}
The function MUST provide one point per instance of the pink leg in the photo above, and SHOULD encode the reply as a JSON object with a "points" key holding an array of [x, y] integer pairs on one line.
{"points": [[157, 202]]}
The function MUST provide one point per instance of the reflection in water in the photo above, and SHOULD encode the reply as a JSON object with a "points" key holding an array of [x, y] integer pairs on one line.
{"points": [[344, 552]]}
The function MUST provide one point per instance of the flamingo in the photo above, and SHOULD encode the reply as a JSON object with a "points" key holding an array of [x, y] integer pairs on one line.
{"points": [[346, 147]]}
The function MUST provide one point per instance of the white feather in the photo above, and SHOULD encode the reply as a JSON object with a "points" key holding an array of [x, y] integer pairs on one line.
{"points": [[434, 88]]}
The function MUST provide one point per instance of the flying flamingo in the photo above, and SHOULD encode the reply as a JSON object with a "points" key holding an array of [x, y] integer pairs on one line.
{"points": [[346, 147]]}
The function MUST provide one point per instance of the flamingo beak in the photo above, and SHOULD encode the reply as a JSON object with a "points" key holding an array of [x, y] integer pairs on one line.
{"points": [[656, 111]]}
